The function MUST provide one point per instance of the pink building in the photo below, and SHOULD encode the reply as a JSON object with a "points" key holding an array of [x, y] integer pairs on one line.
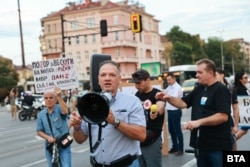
{"points": [[82, 39]]}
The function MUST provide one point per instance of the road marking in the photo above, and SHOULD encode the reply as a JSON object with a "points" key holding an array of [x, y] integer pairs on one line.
{"points": [[79, 151], [190, 163], [34, 163], [38, 138]]}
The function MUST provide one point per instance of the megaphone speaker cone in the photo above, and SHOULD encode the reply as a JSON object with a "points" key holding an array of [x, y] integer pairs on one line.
{"points": [[93, 108]]}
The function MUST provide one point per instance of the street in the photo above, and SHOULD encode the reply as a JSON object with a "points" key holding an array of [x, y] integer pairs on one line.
{"points": [[21, 147]]}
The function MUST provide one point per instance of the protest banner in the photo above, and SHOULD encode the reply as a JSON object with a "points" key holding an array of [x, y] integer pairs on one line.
{"points": [[244, 108], [54, 72]]}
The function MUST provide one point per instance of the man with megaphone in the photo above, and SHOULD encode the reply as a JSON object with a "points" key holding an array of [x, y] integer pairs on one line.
{"points": [[120, 138]]}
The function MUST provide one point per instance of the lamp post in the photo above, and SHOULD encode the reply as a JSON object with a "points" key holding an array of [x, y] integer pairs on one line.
{"points": [[221, 48]]}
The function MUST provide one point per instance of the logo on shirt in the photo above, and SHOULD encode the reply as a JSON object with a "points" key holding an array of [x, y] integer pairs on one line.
{"points": [[147, 104]]}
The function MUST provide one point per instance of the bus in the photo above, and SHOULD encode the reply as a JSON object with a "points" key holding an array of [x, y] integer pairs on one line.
{"points": [[182, 72]]}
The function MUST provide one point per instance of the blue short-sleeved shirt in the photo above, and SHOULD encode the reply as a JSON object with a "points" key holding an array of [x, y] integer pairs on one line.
{"points": [[58, 122]]}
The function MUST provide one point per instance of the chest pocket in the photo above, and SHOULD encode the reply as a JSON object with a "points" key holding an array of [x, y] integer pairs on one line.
{"points": [[122, 114]]}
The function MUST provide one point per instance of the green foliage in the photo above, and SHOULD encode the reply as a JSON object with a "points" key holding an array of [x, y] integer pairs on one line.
{"points": [[187, 49], [8, 78]]}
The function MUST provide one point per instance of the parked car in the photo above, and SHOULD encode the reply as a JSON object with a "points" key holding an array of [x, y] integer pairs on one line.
{"points": [[188, 86]]}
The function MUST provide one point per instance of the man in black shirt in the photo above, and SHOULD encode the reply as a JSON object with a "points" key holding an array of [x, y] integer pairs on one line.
{"points": [[151, 147], [211, 108]]}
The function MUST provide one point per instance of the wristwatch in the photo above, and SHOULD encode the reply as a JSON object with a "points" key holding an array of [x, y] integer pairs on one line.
{"points": [[116, 123]]}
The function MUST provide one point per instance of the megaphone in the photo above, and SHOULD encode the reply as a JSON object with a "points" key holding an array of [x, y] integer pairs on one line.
{"points": [[94, 107]]}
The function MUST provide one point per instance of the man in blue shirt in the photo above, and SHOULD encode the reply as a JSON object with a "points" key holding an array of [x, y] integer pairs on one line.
{"points": [[56, 116]]}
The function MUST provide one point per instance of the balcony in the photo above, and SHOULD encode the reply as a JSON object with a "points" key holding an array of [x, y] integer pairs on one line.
{"points": [[51, 51], [125, 59], [118, 43]]}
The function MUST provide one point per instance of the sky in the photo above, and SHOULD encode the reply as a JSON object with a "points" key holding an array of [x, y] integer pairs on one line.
{"points": [[225, 19]]}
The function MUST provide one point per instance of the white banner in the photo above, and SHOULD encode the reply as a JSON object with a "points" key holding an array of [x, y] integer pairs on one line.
{"points": [[244, 107], [54, 72]]}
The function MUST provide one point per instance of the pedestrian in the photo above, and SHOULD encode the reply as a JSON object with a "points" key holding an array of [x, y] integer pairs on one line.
{"points": [[211, 107], [12, 99], [240, 89], [220, 76], [52, 126], [120, 138], [174, 116], [151, 147]]}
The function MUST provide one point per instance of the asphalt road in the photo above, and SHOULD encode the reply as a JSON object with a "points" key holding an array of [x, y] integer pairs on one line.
{"points": [[21, 147]]}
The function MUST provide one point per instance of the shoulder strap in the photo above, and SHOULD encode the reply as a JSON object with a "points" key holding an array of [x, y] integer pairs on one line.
{"points": [[49, 123]]}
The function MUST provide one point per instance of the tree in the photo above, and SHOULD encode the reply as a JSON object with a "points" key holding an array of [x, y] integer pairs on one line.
{"points": [[213, 50], [234, 58], [187, 49], [8, 78]]}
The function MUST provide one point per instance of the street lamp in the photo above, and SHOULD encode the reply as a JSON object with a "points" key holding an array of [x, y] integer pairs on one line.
{"points": [[221, 48]]}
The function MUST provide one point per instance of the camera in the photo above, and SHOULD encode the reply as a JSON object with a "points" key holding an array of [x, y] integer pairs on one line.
{"points": [[94, 107]]}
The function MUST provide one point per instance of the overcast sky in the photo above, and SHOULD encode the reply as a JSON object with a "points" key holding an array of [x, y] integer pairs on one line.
{"points": [[209, 18]]}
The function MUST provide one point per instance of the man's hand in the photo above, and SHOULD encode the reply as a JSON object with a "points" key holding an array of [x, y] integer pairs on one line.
{"points": [[162, 96], [190, 125], [75, 120], [57, 91]]}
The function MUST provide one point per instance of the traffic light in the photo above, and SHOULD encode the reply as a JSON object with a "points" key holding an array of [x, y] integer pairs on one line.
{"points": [[136, 23], [103, 28]]}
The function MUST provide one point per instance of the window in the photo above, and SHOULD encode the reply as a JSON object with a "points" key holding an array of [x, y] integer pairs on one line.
{"points": [[86, 54], [54, 27], [48, 28], [77, 40], [69, 40], [117, 52], [49, 44], [85, 38], [93, 38], [74, 25], [78, 55], [115, 19], [116, 36], [90, 22]]}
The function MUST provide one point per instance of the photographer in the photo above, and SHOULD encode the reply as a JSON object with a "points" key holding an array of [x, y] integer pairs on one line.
{"points": [[120, 140], [52, 126]]}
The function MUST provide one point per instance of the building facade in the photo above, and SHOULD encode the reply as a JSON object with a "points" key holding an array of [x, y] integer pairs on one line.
{"points": [[78, 26]]}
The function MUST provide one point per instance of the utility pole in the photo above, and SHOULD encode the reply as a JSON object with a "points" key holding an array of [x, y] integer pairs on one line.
{"points": [[21, 35], [22, 47], [63, 45], [221, 48]]}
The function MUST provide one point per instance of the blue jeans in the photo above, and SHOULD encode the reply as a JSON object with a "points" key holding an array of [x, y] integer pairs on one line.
{"points": [[174, 128], [135, 163], [210, 159], [64, 156]]}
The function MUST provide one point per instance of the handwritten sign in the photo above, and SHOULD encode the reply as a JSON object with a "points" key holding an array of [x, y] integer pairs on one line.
{"points": [[244, 107], [54, 72]]}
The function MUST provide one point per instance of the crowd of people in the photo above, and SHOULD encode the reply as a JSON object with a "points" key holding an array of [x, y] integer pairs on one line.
{"points": [[131, 136]]}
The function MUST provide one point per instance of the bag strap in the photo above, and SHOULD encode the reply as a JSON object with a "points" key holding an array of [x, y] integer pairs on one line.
{"points": [[49, 123]]}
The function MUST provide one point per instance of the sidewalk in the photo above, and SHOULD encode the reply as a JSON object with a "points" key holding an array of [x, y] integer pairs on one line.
{"points": [[3, 108]]}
